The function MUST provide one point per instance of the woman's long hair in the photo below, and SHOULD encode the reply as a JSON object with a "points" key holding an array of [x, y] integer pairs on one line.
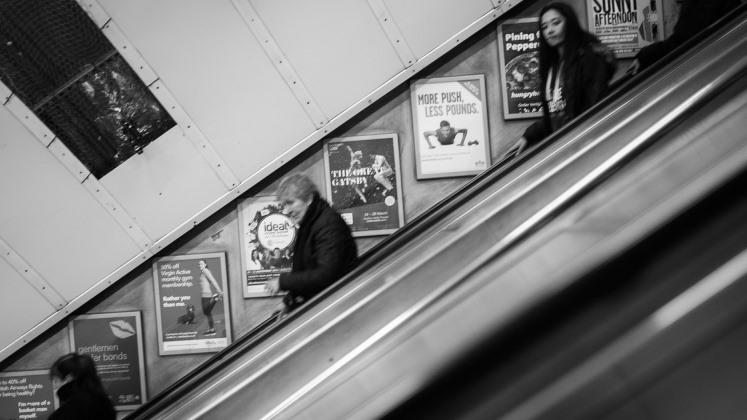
{"points": [[81, 369], [575, 37]]}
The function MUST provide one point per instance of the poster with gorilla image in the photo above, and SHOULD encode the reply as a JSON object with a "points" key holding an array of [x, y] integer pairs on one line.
{"points": [[363, 182], [115, 343], [450, 123], [192, 303], [27, 395], [626, 26], [268, 234], [518, 43]]}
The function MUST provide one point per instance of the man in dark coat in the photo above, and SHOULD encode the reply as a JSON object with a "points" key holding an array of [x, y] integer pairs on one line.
{"points": [[695, 15], [324, 249]]}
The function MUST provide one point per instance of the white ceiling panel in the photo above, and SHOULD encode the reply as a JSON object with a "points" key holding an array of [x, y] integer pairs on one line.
{"points": [[344, 35], [51, 220], [426, 24], [24, 300], [165, 186], [215, 68]]}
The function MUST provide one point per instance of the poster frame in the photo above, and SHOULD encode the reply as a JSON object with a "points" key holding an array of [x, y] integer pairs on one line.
{"points": [[591, 25], [243, 224], [140, 347], [394, 139], [418, 128], [226, 308], [35, 372], [507, 115]]}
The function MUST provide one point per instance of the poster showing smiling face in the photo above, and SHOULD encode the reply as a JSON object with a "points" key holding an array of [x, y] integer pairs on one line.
{"points": [[451, 126], [115, 343]]}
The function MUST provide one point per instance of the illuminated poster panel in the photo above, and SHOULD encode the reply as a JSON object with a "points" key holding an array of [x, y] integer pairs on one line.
{"points": [[26, 395], [518, 44], [268, 234], [364, 184], [192, 303], [450, 125], [626, 26], [115, 343]]}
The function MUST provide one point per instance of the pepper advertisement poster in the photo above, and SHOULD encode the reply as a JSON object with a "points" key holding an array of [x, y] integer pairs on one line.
{"points": [[518, 42], [268, 234], [115, 343], [192, 303], [451, 126], [626, 26], [364, 184], [26, 395]]}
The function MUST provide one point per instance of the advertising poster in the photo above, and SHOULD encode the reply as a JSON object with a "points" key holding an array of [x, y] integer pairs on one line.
{"points": [[518, 44], [115, 343], [451, 126], [364, 184], [192, 303], [26, 395], [268, 234], [626, 26]]}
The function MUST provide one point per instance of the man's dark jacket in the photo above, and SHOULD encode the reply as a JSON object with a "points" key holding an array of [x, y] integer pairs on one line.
{"points": [[324, 252], [695, 15], [76, 404]]}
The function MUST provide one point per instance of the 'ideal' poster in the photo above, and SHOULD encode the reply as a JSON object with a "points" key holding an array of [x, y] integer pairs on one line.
{"points": [[268, 235], [626, 26]]}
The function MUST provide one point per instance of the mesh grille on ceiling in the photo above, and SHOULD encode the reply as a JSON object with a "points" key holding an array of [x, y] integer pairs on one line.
{"points": [[63, 68]]}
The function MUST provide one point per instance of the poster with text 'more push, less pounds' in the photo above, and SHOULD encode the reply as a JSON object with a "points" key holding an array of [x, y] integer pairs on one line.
{"points": [[450, 125]]}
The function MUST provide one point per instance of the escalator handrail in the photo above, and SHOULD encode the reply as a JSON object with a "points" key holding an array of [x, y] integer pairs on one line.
{"points": [[405, 234]]}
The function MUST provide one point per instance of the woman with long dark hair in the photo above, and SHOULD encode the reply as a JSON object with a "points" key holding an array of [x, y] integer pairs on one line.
{"points": [[79, 390], [575, 68]]}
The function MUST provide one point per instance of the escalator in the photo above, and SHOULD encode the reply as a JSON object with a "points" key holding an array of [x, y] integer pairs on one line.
{"points": [[464, 290]]}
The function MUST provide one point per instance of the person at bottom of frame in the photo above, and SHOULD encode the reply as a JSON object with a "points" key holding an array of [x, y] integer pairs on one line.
{"points": [[208, 298], [79, 390], [446, 134], [324, 250]]}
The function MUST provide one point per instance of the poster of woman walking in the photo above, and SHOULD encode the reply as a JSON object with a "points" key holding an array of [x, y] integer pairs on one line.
{"points": [[192, 300]]}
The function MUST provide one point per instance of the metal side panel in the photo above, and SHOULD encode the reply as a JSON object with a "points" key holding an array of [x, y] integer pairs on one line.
{"points": [[426, 24], [333, 32], [164, 186], [20, 298], [219, 74], [46, 201]]}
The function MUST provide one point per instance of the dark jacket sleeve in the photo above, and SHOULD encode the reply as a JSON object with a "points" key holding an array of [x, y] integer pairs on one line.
{"points": [[329, 239], [695, 15], [597, 68], [685, 27], [537, 131]]}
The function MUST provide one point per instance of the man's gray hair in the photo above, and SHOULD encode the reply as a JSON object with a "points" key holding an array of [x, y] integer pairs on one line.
{"points": [[296, 186]]}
